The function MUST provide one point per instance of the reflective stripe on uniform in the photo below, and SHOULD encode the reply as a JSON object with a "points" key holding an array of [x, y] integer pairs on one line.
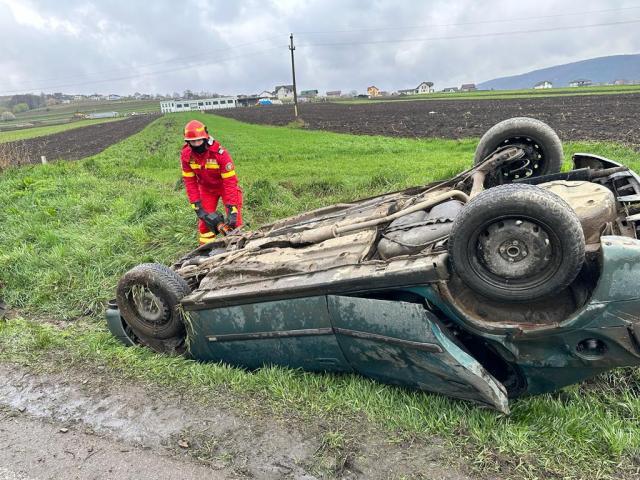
{"points": [[212, 165], [188, 174], [208, 235], [203, 239], [195, 166], [228, 174]]}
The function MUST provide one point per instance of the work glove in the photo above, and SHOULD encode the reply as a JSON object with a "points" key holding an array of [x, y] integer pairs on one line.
{"points": [[232, 216], [197, 207], [213, 220]]}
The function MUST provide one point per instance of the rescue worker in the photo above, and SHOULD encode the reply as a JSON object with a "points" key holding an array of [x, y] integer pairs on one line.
{"points": [[209, 174]]}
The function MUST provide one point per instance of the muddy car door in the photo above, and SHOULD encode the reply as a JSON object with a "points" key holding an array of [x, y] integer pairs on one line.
{"points": [[403, 343], [295, 332]]}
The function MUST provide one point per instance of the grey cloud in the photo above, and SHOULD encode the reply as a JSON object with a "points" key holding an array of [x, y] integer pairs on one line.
{"points": [[231, 43]]}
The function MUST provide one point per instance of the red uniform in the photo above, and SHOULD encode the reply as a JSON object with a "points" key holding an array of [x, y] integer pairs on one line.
{"points": [[209, 176]]}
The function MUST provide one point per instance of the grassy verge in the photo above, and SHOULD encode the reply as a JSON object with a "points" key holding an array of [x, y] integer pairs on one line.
{"points": [[69, 230], [34, 132]]}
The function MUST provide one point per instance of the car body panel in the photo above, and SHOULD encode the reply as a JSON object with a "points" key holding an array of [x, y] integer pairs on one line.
{"points": [[295, 333], [403, 344]]}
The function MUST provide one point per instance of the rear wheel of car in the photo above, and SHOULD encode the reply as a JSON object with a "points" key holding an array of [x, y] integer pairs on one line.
{"points": [[148, 297], [542, 147], [516, 243]]}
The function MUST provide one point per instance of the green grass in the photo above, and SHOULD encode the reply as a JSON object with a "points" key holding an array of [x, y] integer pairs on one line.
{"points": [[70, 229], [22, 134], [505, 94]]}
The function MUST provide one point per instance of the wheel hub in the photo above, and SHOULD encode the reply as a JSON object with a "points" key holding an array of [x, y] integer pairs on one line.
{"points": [[514, 248], [150, 307], [530, 165]]}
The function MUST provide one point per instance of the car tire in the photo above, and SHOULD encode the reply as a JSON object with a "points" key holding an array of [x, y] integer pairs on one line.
{"points": [[516, 243], [542, 146], [148, 297]]}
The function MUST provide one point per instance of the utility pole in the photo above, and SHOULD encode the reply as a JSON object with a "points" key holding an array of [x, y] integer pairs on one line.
{"points": [[293, 72]]}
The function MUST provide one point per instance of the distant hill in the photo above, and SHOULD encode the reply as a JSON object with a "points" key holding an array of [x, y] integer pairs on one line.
{"points": [[598, 70]]}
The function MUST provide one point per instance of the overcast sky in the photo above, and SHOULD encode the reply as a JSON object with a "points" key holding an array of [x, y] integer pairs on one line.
{"points": [[233, 47]]}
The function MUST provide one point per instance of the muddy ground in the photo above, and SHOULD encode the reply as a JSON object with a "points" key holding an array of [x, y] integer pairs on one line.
{"points": [[72, 144], [589, 117], [87, 424]]}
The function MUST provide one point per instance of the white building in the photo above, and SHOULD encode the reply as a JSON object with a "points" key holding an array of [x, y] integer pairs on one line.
{"points": [[173, 106], [284, 92], [425, 87], [543, 84]]}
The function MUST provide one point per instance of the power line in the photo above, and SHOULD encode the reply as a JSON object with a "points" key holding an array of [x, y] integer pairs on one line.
{"points": [[141, 75], [176, 60], [473, 35], [465, 24]]}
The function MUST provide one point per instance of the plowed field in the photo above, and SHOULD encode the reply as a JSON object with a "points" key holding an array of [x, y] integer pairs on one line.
{"points": [[589, 117], [71, 144]]}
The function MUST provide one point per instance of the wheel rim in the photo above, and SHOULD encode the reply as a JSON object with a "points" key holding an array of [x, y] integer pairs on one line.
{"points": [[533, 163], [514, 253], [150, 308]]}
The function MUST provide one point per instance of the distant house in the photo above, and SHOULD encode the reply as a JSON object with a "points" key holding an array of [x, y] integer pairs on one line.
{"points": [[373, 91], [468, 87], [265, 94], [450, 90], [309, 93], [620, 81], [581, 82], [543, 84], [114, 97], [425, 87], [407, 91], [334, 93], [283, 92]]}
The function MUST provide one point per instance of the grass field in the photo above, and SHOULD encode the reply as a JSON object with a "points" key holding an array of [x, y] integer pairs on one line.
{"points": [[22, 134], [70, 229], [63, 113], [503, 94]]}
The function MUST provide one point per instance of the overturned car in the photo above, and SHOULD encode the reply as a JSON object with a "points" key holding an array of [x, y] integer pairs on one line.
{"points": [[511, 278]]}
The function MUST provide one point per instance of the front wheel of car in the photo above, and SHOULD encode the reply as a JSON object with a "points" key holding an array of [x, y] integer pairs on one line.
{"points": [[148, 297], [516, 243], [542, 148]]}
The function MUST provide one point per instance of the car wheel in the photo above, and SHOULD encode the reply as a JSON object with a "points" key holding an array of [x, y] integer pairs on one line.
{"points": [[516, 242], [148, 297], [542, 147]]}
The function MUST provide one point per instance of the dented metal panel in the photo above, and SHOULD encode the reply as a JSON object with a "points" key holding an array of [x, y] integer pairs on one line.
{"points": [[278, 261], [366, 276], [407, 346], [295, 333]]}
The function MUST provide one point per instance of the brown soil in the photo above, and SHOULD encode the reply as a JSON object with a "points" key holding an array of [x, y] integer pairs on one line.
{"points": [[72, 144], [88, 424], [588, 117]]}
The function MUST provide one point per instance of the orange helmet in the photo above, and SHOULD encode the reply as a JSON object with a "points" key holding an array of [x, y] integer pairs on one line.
{"points": [[195, 130]]}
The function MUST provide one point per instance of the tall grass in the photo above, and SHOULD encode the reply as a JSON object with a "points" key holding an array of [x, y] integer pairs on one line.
{"points": [[68, 230]]}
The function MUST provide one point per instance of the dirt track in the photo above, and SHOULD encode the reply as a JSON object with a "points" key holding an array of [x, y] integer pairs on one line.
{"points": [[589, 117], [72, 144], [88, 424]]}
